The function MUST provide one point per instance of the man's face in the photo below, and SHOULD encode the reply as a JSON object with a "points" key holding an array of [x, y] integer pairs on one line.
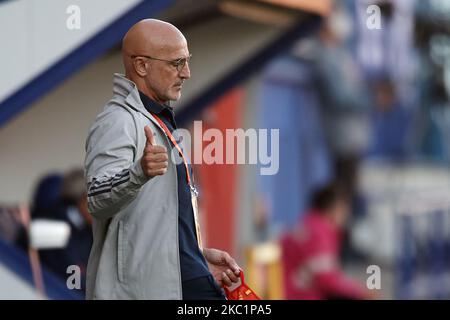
{"points": [[164, 79]]}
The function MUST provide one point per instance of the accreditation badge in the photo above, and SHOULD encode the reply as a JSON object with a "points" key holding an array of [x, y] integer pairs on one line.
{"points": [[194, 196]]}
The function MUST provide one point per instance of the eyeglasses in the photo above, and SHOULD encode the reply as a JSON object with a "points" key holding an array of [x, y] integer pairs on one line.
{"points": [[178, 64]]}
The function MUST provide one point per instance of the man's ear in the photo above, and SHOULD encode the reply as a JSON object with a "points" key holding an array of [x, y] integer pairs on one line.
{"points": [[140, 67]]}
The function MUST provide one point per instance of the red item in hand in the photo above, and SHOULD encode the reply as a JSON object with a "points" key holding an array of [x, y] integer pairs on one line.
{"points": [[240, 291]]}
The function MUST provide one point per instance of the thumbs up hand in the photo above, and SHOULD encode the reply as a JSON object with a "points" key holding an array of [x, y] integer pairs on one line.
{"points": [[154, 161]]}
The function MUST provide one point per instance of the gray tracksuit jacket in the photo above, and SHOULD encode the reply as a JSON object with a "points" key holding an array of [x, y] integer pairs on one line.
{"points": [[135, 252]]}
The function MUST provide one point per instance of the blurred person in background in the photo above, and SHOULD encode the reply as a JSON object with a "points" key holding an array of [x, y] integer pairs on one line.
{"points": [[47, 196], [63, 198], [344, 98], [45, 204], [311, 251], [345, 110], [391, 122], [76, 214]]}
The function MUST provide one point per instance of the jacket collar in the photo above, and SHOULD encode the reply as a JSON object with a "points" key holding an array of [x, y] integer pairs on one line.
{"points": [[126, 91]]}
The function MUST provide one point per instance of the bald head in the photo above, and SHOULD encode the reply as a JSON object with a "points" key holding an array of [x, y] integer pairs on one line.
{"points": [[156, 39], [151, 36]]}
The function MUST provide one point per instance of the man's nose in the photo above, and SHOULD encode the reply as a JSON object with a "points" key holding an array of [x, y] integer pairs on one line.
{"points": [[185, 73]]}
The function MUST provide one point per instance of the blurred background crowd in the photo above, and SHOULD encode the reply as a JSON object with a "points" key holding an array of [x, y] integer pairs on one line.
{"points": [[364, 120]]}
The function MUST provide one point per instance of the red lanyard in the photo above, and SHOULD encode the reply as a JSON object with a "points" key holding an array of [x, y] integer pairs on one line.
{"points": [[194, 192], [172, 138]]}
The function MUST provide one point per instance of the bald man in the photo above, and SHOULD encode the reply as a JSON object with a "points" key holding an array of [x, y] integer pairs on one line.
{"points": [[147, 242]]}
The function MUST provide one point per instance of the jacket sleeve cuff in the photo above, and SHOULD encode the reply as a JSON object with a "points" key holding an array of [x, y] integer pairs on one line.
{"points": [[137, 175]]}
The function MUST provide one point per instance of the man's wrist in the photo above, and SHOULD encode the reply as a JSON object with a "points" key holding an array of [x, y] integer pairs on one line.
{"points": [[138, 173]]}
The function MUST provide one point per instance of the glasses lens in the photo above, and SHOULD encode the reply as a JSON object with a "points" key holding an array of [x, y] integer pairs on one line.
{"points": [[182, 62]]}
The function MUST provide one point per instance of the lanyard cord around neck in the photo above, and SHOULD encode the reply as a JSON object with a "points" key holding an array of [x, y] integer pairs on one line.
{"points": [[189, 181], [172, 138]]}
